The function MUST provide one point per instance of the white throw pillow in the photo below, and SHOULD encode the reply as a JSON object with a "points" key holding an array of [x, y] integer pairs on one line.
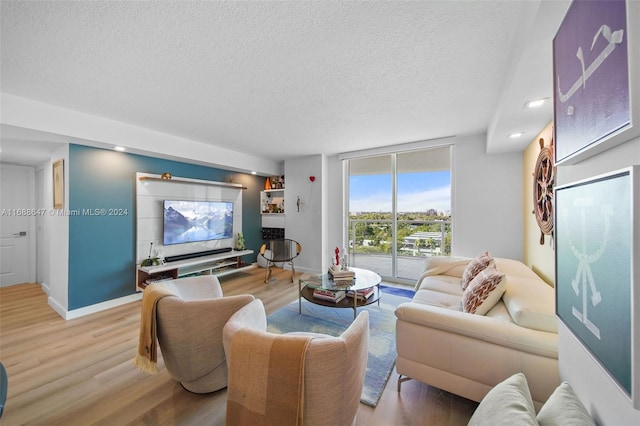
{"points": [[476, 266], [508, 403], [563, 408], [484, 291]]}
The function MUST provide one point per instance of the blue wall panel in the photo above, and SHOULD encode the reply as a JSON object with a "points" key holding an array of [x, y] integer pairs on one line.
{"points": [[102, 218]]}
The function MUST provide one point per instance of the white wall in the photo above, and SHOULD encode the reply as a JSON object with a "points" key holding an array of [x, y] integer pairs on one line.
{"points": [[307, 225], [487, 200], [337, 230], [606, 403], [86, 129], [58, 239]]}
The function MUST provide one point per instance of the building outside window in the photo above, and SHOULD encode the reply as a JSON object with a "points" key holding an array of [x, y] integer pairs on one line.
{"points": [[399, 210]]}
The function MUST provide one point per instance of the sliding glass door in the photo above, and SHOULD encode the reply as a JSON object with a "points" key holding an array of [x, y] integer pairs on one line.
{"points": [[399, 211]]}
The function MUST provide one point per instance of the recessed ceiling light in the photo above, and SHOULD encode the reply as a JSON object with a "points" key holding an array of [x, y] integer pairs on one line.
{"points": [[535, 104], [254, 173], [515, 135], [120, 148]]}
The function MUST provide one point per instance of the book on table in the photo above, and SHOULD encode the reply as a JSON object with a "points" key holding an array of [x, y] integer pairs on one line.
{"points": [[332, 296], [336, 273], [363, 294], [342, 284]]}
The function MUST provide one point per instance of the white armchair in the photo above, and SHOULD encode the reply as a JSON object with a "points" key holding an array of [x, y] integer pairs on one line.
{"points": [[334, 368], [190, 328]]}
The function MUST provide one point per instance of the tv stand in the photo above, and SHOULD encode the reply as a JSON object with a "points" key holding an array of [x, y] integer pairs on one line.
{"points": [[219, 264]]}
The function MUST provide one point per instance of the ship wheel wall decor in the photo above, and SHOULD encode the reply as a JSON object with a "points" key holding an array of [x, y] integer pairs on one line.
{"points": [[544, 179]]}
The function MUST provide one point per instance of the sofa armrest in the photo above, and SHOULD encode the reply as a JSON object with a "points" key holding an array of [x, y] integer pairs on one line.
{"points": [[443, 265], [488, 329]]}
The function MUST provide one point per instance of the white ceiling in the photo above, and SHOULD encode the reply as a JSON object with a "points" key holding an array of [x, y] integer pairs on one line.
{"points": [[287, 79]]}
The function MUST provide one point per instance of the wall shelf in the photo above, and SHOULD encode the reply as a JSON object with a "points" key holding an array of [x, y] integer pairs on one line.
{"points": [[272, 202], [194, 181]]}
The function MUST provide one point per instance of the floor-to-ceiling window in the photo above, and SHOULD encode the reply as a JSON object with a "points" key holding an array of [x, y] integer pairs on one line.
{"points": [[399, 210]]}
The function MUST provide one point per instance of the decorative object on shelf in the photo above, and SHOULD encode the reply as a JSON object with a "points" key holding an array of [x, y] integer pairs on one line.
{"points": [[160, 256], [277, 182], [272, 201], [149, 261], [275, 208], [240, 242], [345, 261], [544, 179], [337, 253], [274, 182], [166, 176], [58, 184], [595, 103]]}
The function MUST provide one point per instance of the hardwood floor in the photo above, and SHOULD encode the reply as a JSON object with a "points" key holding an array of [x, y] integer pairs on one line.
{"points": [[80, 372]]}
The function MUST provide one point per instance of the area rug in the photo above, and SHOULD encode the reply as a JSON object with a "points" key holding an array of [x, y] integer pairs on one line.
{"points": [[334, 321]]}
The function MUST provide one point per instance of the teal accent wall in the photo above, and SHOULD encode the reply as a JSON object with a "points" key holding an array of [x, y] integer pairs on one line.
{"points": [[102, 246]]}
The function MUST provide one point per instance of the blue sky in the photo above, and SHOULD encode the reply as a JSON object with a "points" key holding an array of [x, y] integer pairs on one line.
{"points": [[417, 192]]}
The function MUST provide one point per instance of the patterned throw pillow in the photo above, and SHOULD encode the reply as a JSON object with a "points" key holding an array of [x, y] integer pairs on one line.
{"points": [[484, 291], [474, 267]]}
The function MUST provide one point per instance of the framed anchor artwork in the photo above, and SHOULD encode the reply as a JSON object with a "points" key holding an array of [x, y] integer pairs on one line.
{"points": [[596, 61], [597, 274]]}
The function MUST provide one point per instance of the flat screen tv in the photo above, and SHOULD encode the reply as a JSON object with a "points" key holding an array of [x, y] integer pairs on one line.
{"points": [[194, 221]]}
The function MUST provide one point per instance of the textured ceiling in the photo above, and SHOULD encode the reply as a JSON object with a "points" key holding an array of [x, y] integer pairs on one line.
{"points": [[276, 79]]}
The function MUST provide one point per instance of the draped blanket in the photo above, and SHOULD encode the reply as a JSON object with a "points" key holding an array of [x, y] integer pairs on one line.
{"points": [[147, 357], [266, 379]]}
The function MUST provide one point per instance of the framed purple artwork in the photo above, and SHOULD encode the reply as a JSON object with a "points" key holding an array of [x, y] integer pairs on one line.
{"points": [[595, 100]]}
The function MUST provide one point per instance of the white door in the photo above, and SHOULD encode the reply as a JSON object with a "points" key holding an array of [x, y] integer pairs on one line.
{"points": [[17, 225]]}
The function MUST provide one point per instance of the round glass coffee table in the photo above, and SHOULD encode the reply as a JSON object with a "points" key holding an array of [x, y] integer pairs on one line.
{"points": [[362, 290]]}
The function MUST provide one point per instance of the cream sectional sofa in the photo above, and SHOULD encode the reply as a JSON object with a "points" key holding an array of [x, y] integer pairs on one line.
{"points": [[467, 354]]}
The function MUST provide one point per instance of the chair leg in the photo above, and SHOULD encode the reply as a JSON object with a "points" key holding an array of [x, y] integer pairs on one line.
{"points": [[267, 273], [402, 380]]}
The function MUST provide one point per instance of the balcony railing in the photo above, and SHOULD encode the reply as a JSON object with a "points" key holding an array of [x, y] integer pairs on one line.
{"points": [[371, 245]]}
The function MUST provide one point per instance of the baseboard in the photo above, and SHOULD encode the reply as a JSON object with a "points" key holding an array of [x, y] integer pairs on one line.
{"points": [[60, 310], [92, 309]]}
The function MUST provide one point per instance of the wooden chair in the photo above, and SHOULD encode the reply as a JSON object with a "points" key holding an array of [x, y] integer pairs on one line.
{"points": [[280, 251]]}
